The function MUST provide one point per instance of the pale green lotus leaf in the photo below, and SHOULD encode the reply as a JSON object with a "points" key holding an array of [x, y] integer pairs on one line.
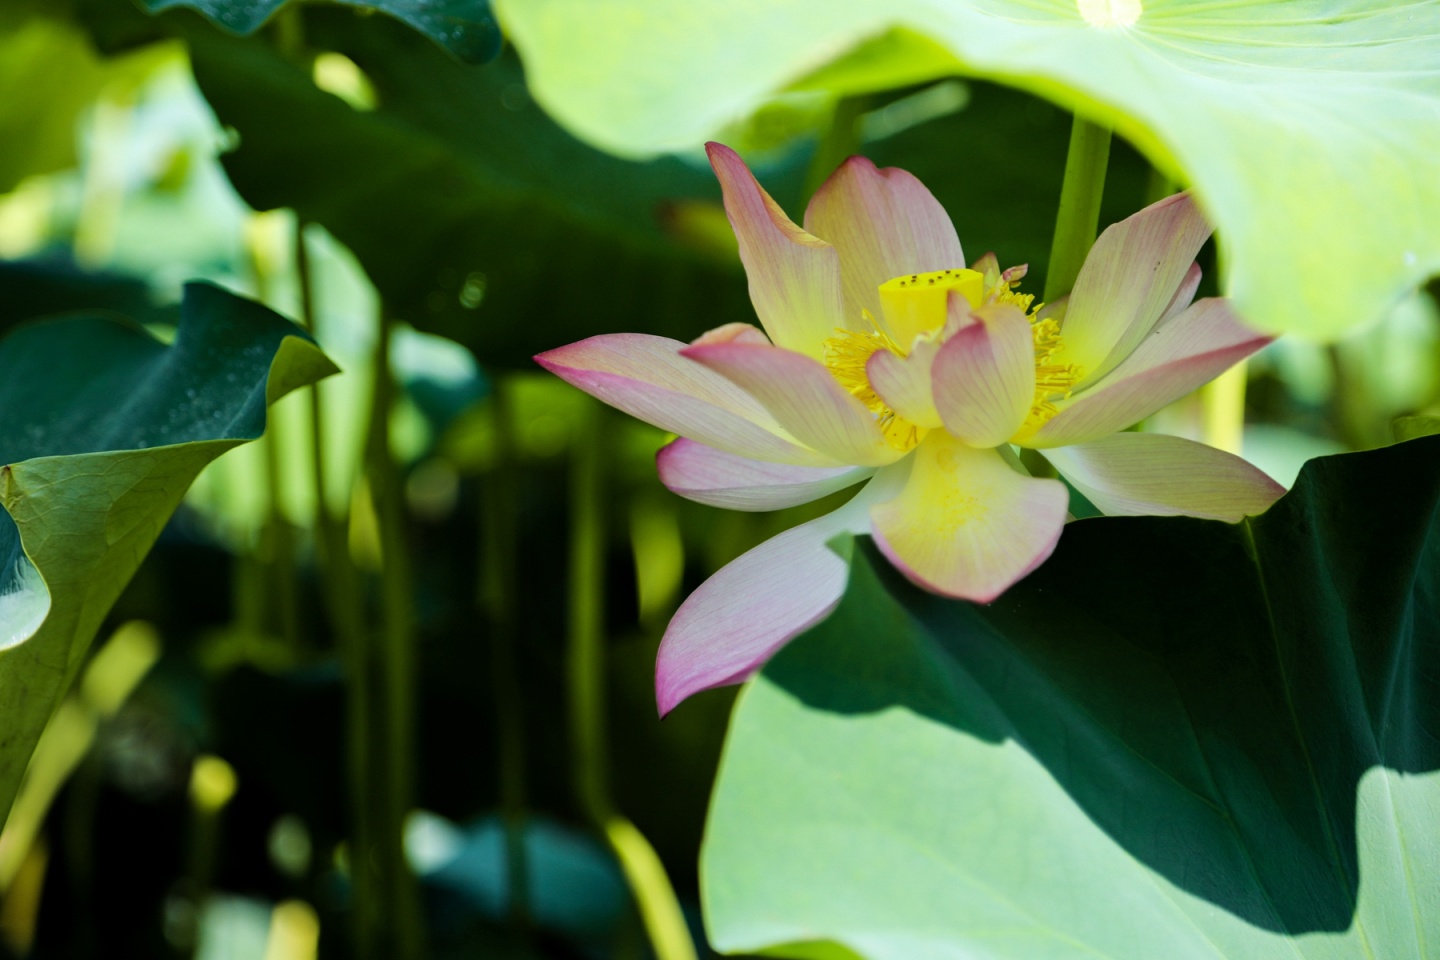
{"points": [[1310, 131]]}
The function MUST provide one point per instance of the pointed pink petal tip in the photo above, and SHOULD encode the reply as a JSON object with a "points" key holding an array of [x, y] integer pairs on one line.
{"points": [[736, 620]]}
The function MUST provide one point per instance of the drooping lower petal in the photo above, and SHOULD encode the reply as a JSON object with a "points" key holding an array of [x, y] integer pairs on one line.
{"points": [[754, 605], [1129, 278], [803, 398], [646, 377], [1137, 474], [883, 223], [794, 277], [721, 479], [1188, 351], [966, 524], [984, 377]]}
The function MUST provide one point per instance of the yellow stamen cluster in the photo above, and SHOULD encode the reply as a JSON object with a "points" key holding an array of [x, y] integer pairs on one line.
{"points": [[1051, 379], [1006, 293], [849, 351], [846, 354]]}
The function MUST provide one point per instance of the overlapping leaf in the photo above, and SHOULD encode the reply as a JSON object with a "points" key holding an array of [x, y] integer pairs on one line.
{"points": [[102, 429], [1178, 738], [479, 219], [464, 27], [1308, 130]]}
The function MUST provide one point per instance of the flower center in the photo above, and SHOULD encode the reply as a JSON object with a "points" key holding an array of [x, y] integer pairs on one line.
{"points": [[1053, 381], [915, 305], [846, 354], [916, 309]]}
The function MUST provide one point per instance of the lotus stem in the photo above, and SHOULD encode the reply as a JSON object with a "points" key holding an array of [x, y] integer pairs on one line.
{"points": [[659, 908], [497, 592], [1080, 194]]}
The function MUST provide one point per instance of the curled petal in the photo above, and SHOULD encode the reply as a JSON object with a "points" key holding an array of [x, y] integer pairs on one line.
{"points": [[721, 479], [1184, 296], [646, 377], [804, 398], [731, 333], [794, 277], [988, 266], [754, 605], [884, 223], [966, 524], [1129, 279], [1135, 474], [985, 377], [1190, 350]]}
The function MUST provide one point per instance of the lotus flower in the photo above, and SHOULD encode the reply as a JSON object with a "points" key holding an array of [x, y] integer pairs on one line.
{"points": [[885, 360]]}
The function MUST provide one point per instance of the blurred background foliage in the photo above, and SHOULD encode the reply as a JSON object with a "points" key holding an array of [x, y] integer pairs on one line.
{"points": [[380, 173]]}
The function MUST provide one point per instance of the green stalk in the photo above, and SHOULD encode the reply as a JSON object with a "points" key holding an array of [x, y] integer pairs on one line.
{"points": [[1222, 405], [346, 606], [278, 541], [396, 662], [498, 588], [1079, 216], [659, 909], [840, 139], [587, 618], [277, 545]]}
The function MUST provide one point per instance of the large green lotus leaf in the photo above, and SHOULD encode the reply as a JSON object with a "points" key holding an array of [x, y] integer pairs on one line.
{"points": [[464, 27], [475, 215], [1309, 130], [102, 429], [514, 236], [1178, 738]]}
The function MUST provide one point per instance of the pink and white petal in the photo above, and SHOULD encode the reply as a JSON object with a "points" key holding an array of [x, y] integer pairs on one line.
{"points": [[904, 382], [804, 399], [1189, 351], [884, 223], [984, 376], [966, 524], [646, 377], [754, 605], [731, 333], [1130, 276], [721, 479], [1184, 296], [1135, 474], [794, 277], [988, 266]]}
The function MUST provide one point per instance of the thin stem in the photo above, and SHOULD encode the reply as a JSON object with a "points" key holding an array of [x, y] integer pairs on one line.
{"points": [[587, 613], [497, 601], [346, 606], [1222, 405], [659, 908], [840, 139], [279, 539], [396, 661], [277, 545], [1079, 215]]}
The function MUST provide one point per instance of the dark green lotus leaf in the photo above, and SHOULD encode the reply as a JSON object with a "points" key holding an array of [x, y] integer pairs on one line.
{"points": [[475, 216], [102, 430], [464, 27], [1178, 738], [479, 219]]}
